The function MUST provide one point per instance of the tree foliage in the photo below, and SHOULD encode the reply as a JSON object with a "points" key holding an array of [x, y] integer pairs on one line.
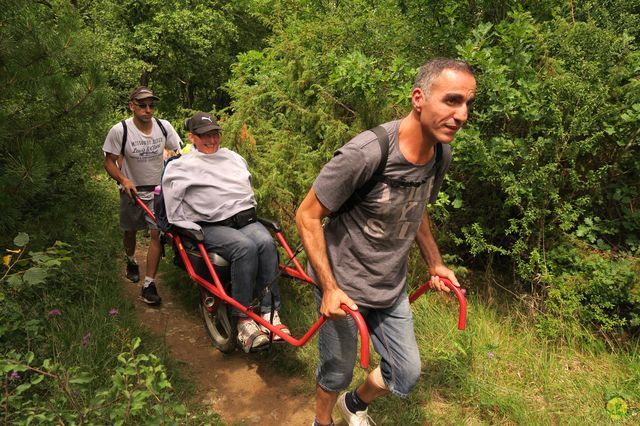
{"points": [[181, 48], [52, 102], [551, 152]]}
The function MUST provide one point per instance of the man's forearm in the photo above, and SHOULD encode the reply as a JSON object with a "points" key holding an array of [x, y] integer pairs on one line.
{"points": [[112, 169], [309, 222]]}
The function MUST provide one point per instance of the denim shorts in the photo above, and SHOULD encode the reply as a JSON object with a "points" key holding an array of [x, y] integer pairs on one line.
{"points": [[393, 337]]}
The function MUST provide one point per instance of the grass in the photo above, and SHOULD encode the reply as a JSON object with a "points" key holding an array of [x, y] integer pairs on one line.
{"points": [[500, 370]]}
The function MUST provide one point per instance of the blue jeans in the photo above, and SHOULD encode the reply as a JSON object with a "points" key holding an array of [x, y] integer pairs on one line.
{"points": [[393, 337], [253, 257]]}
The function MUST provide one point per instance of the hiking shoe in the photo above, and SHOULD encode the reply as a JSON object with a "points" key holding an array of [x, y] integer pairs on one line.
{"points": [[277, 324], [149, 295], [359, 418], [250, 337], [133, 272]]}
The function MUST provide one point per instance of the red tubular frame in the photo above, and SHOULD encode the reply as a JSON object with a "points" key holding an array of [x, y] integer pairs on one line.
{"points": [[218, 291], [462, 315], [298, 272]]}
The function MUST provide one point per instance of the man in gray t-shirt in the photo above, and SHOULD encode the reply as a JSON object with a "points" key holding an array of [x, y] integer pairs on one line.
{"points": [[360, 257], [137, 167]]}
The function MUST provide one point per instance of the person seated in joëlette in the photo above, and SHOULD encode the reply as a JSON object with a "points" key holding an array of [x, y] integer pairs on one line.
{"points": [[209, 188]]}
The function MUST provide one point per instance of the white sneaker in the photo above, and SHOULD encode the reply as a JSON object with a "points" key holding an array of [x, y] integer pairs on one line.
{"points": [[276, 323], [250, 337], [359, 418]]}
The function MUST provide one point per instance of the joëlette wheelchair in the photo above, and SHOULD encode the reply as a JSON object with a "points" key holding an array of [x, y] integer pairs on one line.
{"points": [[212, 273]]}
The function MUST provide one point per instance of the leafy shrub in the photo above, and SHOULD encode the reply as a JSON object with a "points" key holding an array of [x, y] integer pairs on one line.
{"points": [[599, 289], [49, 392], [49, 374], [25, 275], [551, 149]]}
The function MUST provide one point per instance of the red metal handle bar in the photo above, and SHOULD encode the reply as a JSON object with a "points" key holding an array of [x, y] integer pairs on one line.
{"points": [[462, 315], [300, 272]]}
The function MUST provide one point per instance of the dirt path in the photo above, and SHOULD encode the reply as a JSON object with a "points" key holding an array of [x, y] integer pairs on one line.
{"points": [[242, 388]]}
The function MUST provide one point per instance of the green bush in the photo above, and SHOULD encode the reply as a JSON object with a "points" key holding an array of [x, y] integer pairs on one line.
{"points": [[58, 359], [551, 150], [595, 287], [50, 392]]}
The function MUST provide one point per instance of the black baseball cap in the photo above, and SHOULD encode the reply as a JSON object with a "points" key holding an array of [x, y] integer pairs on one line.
{"points": [[201, 123]]}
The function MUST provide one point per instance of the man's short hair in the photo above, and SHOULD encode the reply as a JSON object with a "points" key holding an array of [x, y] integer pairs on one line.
{"points": [[433, 68]]}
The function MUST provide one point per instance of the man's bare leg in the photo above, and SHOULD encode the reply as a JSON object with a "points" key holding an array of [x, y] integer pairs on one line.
{"points": [[153, 255], [373, 387], [129, 242], [325, 401]]}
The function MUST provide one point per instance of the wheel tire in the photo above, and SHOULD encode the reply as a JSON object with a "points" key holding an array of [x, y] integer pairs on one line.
{"points": [[221, 326]]}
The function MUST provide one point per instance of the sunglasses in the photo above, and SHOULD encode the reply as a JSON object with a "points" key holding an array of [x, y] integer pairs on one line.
{"points": [[143, 105]]}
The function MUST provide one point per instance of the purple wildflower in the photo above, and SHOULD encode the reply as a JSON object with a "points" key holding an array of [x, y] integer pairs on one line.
{"points": [[490, 355], [14, 376], [55, 313], [113, 312], [85, 340]]}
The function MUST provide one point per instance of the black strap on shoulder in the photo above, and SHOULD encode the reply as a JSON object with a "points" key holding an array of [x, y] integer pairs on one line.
{"points": [[124, 133], [162, 129], [360, 193], [383, 141], [378, 176], [124, 136]]}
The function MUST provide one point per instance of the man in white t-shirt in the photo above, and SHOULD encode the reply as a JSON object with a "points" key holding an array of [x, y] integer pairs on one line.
{"points": [[134, 150]]}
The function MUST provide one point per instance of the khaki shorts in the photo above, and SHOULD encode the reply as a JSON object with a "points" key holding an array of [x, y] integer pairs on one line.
{"points": [[132, 217]]}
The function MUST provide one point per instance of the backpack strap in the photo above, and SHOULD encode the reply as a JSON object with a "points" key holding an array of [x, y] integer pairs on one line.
{"points": [[378, 176], [162, 129], [383, 142], [360, 193], [124, 136]]}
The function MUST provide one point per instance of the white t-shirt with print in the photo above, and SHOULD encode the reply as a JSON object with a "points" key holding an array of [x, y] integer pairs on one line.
{"points": [[143, 153]]}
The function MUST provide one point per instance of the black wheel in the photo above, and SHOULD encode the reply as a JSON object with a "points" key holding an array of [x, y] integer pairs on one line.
{"points": [[220, 324]]}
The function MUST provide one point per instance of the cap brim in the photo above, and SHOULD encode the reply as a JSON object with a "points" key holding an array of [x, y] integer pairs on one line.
{"points": [[206, 129], [141, 97]]}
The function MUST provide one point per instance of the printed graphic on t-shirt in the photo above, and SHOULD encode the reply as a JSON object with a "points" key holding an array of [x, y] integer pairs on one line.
{"points": [[145, 149], [396, 212]]}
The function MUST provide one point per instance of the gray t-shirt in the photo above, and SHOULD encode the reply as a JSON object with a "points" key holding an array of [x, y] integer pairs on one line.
{"points": [[368, 246], [143, 154]]}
